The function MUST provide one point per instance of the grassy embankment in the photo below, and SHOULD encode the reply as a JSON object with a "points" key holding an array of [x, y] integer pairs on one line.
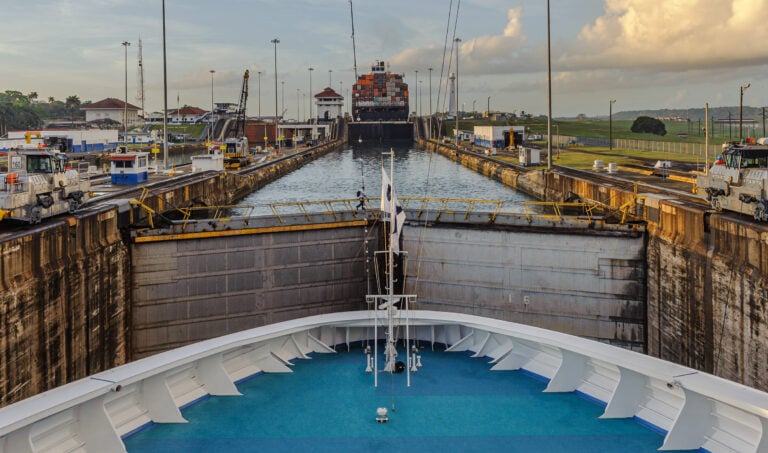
{"points": [[584, 156]]}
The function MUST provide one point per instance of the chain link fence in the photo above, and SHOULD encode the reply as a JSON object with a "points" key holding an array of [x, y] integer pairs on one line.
{"points": [[694, 149]]}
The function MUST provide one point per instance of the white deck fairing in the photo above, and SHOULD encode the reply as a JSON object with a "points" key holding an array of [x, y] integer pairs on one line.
{"points": [[697, 410]]}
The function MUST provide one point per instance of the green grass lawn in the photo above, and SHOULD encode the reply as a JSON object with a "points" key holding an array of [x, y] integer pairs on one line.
{"points": [[194, 130], [583, 157], [621, 129]]}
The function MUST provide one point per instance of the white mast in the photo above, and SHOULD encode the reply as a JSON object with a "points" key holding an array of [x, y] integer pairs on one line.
{"points": [[390, 301], [140, 87]]}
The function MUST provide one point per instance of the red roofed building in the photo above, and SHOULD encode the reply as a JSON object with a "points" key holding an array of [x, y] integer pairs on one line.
{"points": [[330, 104], [113, 109], [186, 114]]}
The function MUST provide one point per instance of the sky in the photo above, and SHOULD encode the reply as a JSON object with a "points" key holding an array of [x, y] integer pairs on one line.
{"points": [[644, 54]]}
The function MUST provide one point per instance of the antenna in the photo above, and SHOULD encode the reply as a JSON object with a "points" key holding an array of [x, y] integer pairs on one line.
{"points": [[354, 52], [140, 87]]}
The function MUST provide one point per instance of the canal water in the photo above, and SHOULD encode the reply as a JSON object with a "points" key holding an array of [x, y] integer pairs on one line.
{"points": [[417, 173]]}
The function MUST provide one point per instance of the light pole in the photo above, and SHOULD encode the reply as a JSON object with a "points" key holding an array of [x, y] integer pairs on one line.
{"points": [[430, 102], [416, 87], [421, 91], [282, 97], [125, 105], [210, 117], [330, 80], [341, 93], [741, 103], [473, 107], [310, 103], [275, 41], [259, 94], [488, 109], [549, 95], [298, 98], [457, 41], [165, 98], [610, 124]]}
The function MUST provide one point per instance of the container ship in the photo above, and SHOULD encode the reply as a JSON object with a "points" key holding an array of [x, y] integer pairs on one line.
{"points": [[380, 95]]}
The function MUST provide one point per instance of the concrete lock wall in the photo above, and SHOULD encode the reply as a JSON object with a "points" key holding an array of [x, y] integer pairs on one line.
{"points": [[581, 284], [64, 305], [189, 290]]}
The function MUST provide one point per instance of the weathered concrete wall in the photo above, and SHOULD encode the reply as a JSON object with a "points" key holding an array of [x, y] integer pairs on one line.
{"points": [[589, 283], [190, 290], [707, 277], [64, 306]]}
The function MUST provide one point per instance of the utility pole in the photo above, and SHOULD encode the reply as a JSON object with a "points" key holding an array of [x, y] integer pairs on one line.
{"points": [[125, 105], [457, 41], [741, 103], [430, 103], [610, 124], [259, 94], [275, 41], [549, 96]]}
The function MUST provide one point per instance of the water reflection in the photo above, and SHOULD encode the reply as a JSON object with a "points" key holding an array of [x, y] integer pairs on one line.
{"points": [[340, 174]]}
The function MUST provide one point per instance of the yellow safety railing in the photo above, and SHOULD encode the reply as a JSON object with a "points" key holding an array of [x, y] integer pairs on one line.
{"points": [[219, 213], [421, 204], [554, 210]]}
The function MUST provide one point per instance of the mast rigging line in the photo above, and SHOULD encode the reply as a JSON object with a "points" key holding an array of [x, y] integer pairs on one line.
{"points": [[450, 60], [354, 51]]}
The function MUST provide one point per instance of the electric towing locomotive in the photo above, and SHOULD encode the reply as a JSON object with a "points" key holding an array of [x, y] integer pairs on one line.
{"points": [[39, 183]]}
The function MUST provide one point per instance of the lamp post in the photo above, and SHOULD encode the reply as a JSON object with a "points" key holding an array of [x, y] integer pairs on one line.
{"points": [[341, 93], [165, 98], [310, 102], [488, 109], [416, 87], [610, 124], [549, 95], [282, 97], [741, 103], [210, 117], [275, 41], [125, 104], [457, 41], [330, 80], [430, 102], [298, 98], [421, 91], [259, 94], [473, 107]]}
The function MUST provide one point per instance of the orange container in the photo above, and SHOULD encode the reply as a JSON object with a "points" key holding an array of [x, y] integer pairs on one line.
{"points": [[12, 178]]}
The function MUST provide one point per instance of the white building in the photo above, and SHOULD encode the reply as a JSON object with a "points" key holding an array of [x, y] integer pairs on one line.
{"points": [[499, 136], [330, 104], [77, 140], [112, 109]]}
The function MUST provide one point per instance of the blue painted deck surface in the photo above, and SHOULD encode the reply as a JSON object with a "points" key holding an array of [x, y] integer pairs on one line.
{"points": [[454, 404]]}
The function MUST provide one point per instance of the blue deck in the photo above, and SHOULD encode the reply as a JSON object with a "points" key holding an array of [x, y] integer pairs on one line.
{"points": [[454, 404]]}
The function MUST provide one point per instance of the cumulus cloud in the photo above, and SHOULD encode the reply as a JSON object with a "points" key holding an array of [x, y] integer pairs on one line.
{"points": [[672, 35], [484, 54]]}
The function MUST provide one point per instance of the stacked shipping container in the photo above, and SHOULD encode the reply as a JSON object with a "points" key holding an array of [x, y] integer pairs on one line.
{"points": [[380, 95]]}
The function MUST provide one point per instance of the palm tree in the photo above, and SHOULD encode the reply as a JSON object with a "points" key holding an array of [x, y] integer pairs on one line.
{"points": [[73, 102]]}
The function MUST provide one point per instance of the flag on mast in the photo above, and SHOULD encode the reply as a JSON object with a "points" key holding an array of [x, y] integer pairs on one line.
{"points": [[388, 203]]}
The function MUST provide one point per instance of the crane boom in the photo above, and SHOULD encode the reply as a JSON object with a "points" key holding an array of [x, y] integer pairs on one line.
{"points": [[240, 126]]}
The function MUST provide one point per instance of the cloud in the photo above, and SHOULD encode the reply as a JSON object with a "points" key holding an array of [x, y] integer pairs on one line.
{"points": [[672, 35], [482, 55]]}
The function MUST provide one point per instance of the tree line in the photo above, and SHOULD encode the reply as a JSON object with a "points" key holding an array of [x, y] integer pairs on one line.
{"points": [[20, 111]]}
